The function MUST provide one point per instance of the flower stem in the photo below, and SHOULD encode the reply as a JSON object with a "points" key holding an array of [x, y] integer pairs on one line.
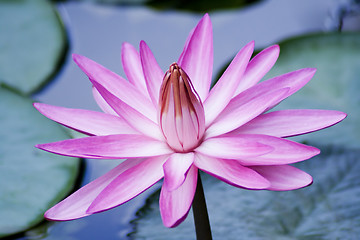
{"points": [[201, 218]]}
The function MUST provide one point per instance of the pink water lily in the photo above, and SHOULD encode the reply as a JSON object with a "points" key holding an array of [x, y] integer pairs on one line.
{"points": [[171, 125]]}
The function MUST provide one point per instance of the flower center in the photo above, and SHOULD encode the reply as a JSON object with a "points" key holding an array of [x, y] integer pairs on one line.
{"points": [[181, 113]]}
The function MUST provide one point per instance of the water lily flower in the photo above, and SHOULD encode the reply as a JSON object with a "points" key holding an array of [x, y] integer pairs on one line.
{"points": [[168, 126]]}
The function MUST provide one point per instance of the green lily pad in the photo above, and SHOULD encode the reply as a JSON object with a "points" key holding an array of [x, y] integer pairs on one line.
{"points": [[336, 84], [31, 180], [328, 209], [32, 43]]}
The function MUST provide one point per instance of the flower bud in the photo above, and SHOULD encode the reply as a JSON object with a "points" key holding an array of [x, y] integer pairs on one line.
{"points": [[181, 113]]}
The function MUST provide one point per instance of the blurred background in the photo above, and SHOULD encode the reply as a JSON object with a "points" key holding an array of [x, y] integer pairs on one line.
{"points": [[37, 38]]}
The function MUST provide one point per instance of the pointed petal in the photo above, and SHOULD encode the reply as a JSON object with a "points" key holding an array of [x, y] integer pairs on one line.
{"points": [[181, 113], [135, 119], [224, 89], [186, 45], [85, 121], [132, 66], [152, 71], [258, 67], [197, 57], [108, 147], [175, 205], [175, 170], [129, 184], [284, 151], [293, 80], [117, 86], [236, 147], [104, 106], [231, 172], [76, 204], [239, 112], [287, 123], [284, 177], [168, 125]]}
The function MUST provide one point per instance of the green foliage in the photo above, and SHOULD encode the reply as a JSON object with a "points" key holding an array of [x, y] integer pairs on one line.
{"points": [[31, 180], [32, 43], [335, 85]]}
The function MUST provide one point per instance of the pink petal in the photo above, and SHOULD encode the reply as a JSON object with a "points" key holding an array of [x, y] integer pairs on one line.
{"points": [[129, 184], [231, 172], [239, 112], [287, 123], [135, 119], [88, 122], [152, 71], [108, 147], [236, 147], [168, 125], [186, 44], [118, 86], [104, 106], [258, 67], [284, 177], [293, 80], [181, 114], [197, 57], [175, 170], [224, 89], [76, 204], [175, 205], [132, 66], [284, 151]]}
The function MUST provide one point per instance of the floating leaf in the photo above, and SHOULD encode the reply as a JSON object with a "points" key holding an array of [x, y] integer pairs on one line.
{"points": [[32, 43], [31, 180], [336, 84], [328, 209]]}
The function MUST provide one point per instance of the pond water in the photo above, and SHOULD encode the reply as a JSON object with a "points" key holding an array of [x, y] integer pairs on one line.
{"points": [[97, 32]]}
